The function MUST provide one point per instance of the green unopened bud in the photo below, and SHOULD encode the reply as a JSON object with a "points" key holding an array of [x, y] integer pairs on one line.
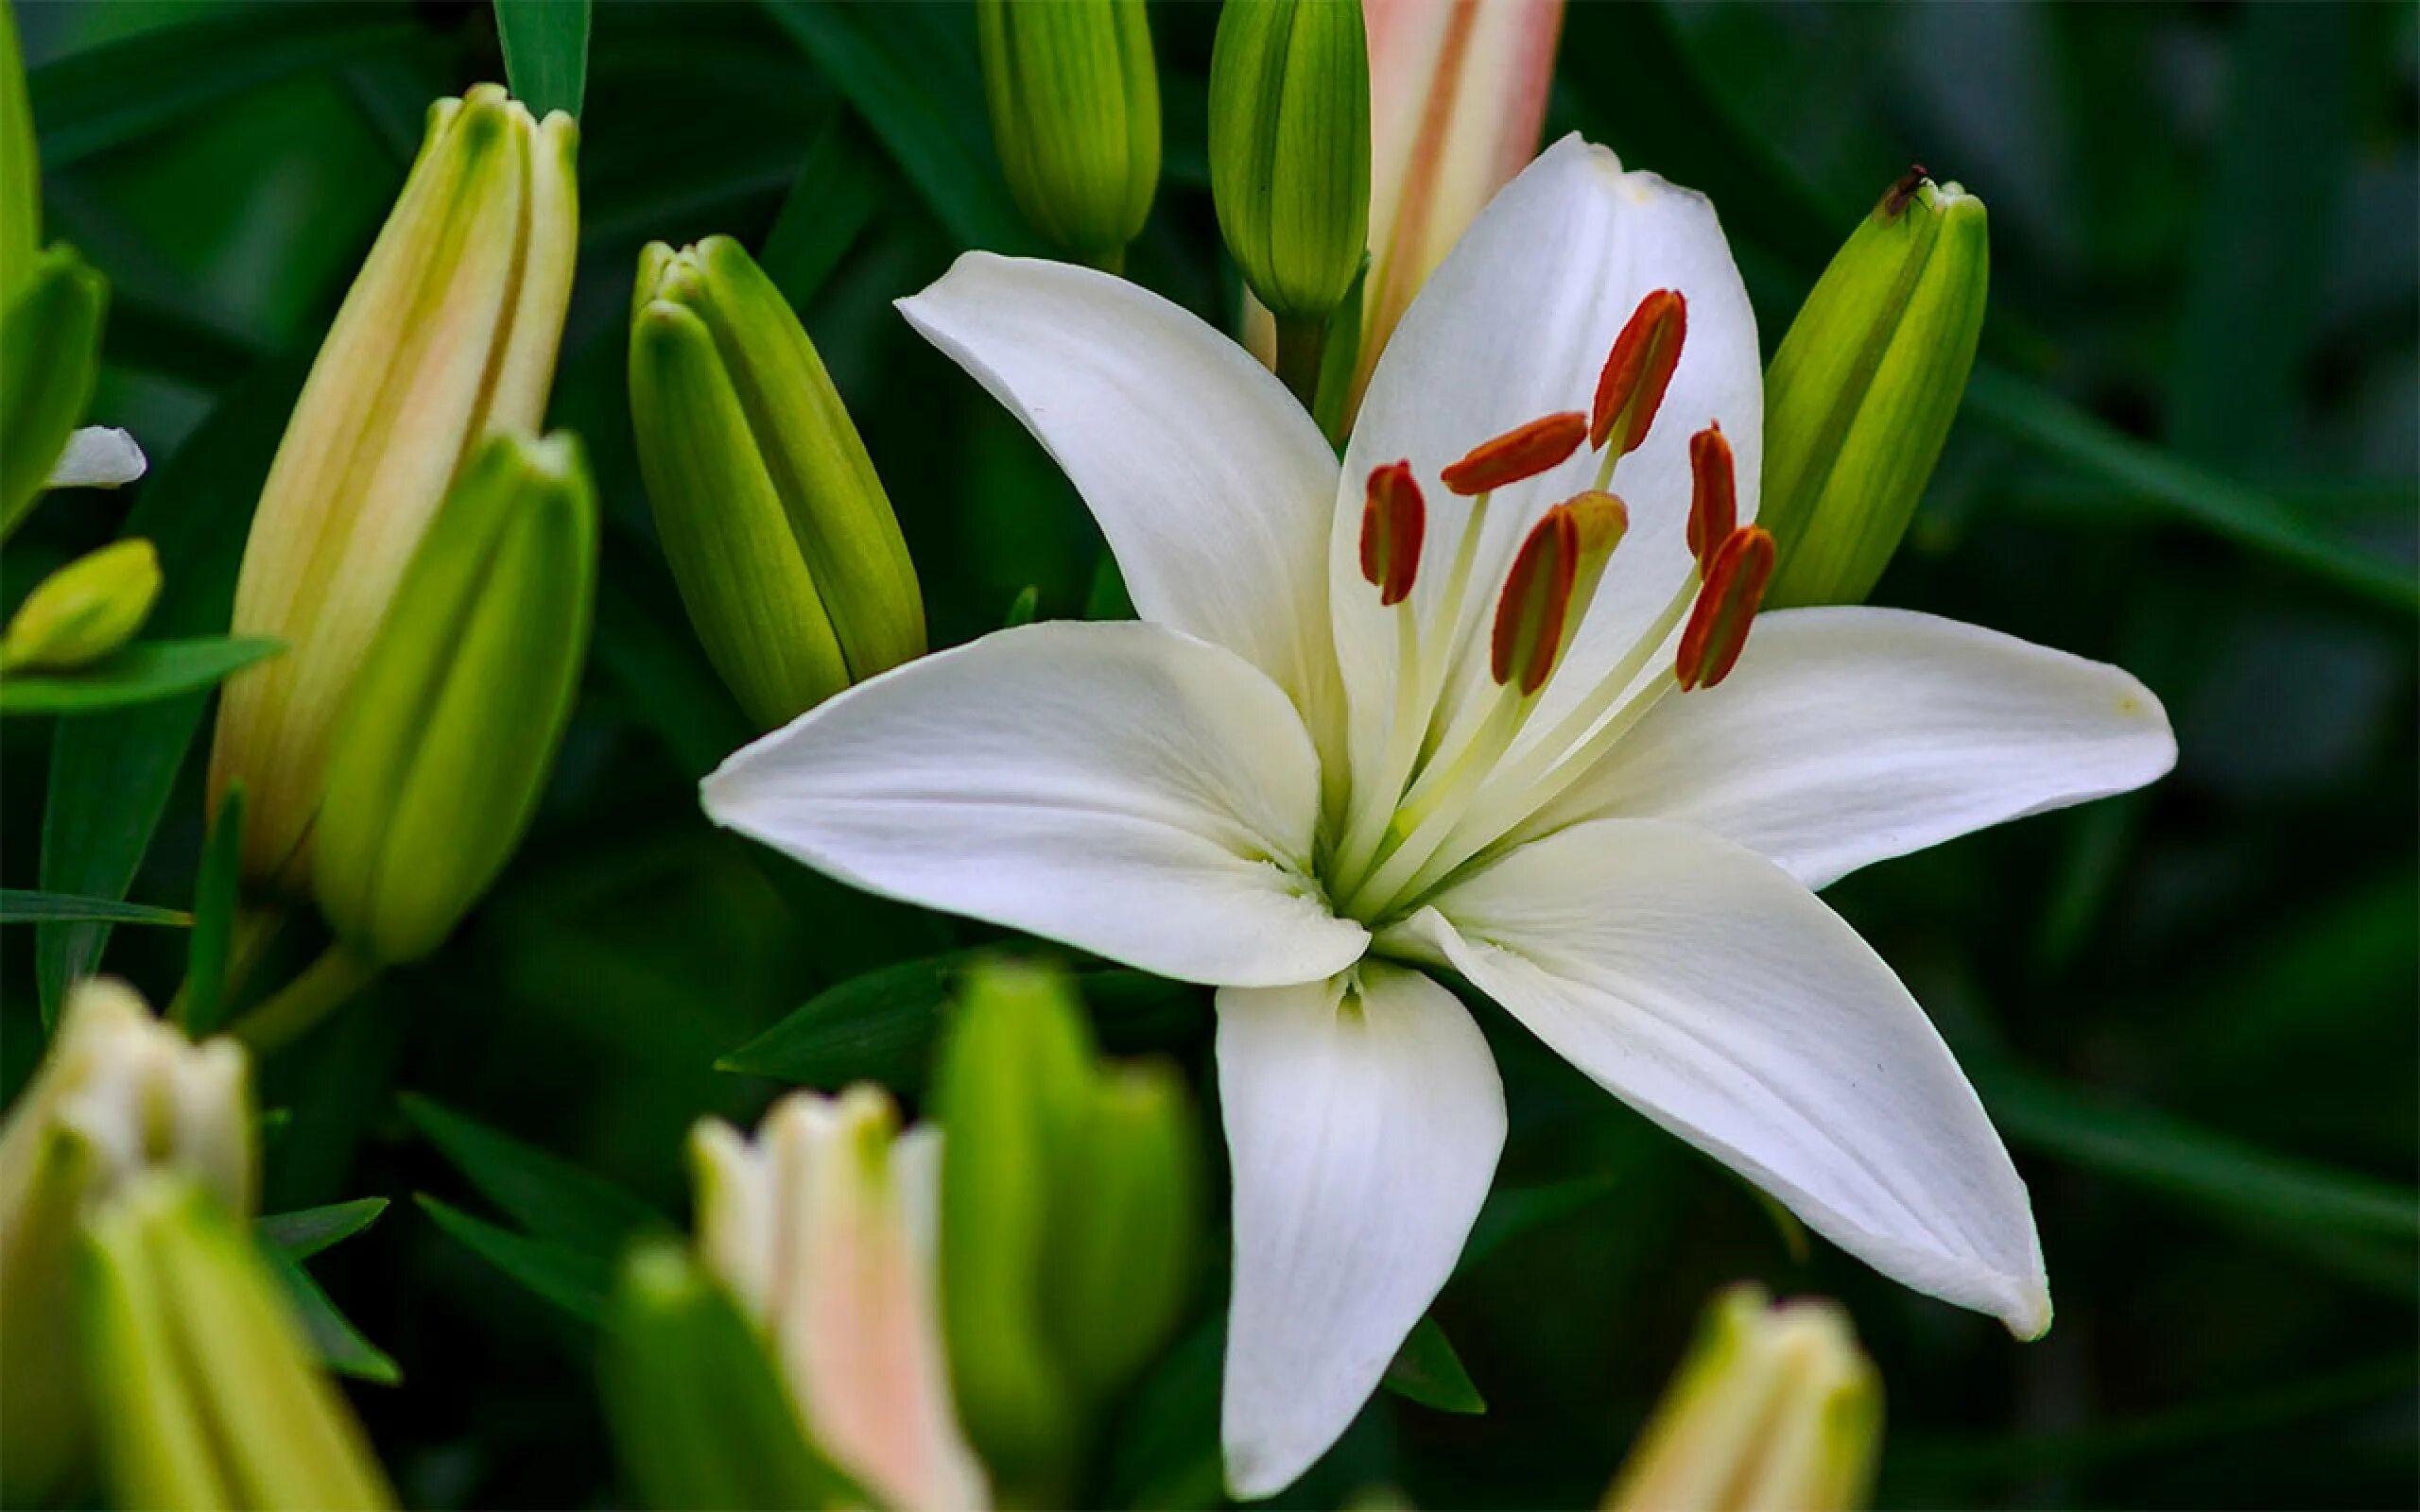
{"points": [[700, 1416], [790, 560], [1862, 393], [447, 336], [204, 1389], [1013, 1086], [1289, 149], [1774, 1407], [1076, 114], [1119, 1263], [437, 767], [118, 1095], [83, 612], [50, 333]]}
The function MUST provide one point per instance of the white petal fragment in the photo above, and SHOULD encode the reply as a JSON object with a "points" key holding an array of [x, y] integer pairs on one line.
{"points": [[1211, 483], [1848, 735], [1703, 987], [1121, 788], [1363, 1126], [97, 456]]}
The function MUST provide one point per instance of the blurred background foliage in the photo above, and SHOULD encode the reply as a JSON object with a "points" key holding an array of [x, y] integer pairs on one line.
{"points": [[2190, 448]]}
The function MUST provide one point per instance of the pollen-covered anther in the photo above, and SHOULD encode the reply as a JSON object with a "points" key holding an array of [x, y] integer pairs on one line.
{"points": [[1522, 451], [1537, 596], [1735, 584], [1631, 387], [1714, 495], [1394, 520]]}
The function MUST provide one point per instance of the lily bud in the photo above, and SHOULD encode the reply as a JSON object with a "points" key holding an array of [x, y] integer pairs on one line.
{"points": [[788, 559], [448, 334], [83, 612], [1774, 1407], [1289, 149], [1862, 393], [50, 333], [439, 763], [206, 1391], [821, 1229], [117, 1094], [1076, 115]]}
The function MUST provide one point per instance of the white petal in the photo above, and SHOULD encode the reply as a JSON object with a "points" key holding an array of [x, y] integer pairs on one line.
{"points": [[1517, 323], [1211, 483], [1700, 984], [97, 456], [1848, 735], [1363, 1126], [1122, 788]]}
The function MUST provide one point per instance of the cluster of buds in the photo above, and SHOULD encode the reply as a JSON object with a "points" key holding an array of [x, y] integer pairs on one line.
{"points": [[788, 559], [142, 1330], [1075, 103], [1775, 1406]]}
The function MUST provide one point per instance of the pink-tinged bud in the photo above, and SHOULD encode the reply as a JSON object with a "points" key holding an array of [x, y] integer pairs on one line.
{"points": [[1714, 493], [1637, 371], [1717, 629], [1394, 521], [1522, 451], [1537, 596]]}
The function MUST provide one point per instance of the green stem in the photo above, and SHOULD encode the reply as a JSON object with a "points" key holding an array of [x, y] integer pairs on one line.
{"points": [[325, 986], [1300, 343]]}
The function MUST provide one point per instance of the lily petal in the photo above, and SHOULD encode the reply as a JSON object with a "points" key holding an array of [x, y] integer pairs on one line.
{"points": [[1210, 482], [1514, 324], [1700, 984], [1121, 788], [1363, 1122], [97, 456], [1848, 735]]}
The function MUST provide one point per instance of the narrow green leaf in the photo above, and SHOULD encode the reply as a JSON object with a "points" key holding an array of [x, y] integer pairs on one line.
{"points": [[2186, 492], [570, 1279], [341, 1346], [1511, 1212], [835, 194], [19, 906], [910, 73], [145, 672], [305, 1231], [203, 1003], [545, 52], [554, 1199], [112, 775], [1426, 1370]]}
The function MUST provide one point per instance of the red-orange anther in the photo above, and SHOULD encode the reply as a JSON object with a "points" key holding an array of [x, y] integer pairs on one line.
{"points": [[1537, 595], [1717, 629], [1714, 494], [1393, 520], [1639, 370], [1522, 451]]}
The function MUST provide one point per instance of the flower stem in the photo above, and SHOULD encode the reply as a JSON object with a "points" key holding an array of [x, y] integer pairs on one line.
{"points": [[326, 985], [1300, 345]]}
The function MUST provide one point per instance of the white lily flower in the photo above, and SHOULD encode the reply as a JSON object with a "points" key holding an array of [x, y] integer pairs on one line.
{"points": [[1333, 757]]}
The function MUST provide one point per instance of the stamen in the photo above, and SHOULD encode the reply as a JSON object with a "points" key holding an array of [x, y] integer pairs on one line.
{"points": [[1639, 371], [1522, 451], [1714, 497], [1718, 629], [1393, 520], [1537, 593]]}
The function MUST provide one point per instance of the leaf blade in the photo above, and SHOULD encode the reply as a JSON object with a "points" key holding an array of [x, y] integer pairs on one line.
{"points": [[545, 52], [144, 672]]}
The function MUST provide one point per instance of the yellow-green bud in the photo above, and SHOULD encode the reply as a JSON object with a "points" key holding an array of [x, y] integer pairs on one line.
{"points": [[50, 333], [1076, 114], [83, 612], [117, 1094], [1862, 393], [205, 1390], [1774, 1407], [439, 763], [1289, 149], [790, 560], [448, 334]]}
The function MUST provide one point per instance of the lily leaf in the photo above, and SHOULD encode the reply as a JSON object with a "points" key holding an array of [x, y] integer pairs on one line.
{"points": [[145, 672], [305, 1231], [340, 1345], [20, 907], [546, 1194], [1426, 1370], [545, 52], [1511, 1212], [570, 1279], [835, 194], [215, 898]]}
